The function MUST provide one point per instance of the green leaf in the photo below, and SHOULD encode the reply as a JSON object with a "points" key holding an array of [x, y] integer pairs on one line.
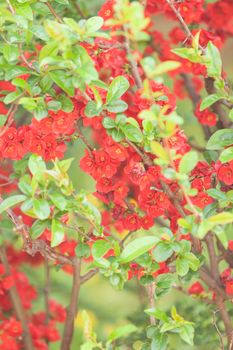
{"points": [[159, 341], [165, 281], [25, 11], [187, 333], [121, 332], [10, 52], [58, 200], [63, 2], [190, 54], [108, 123], [158, 314], [159, 151], [11, 202], [209, 223], [36, 164], [12, 96], [92, 109], [48, 50], [117, 88], [38, 228], [137, 247], [220, 139], [15, 71], [117, 106], [213, 192], [62, 80], [116, 134], [188, 162], [3, 119], [162, 251], [209, 101], [83, 250], [226, 155], [41, 208], [66, 103], [57, 233], [94, 23], [193, 261], [165, 67], [214, 66], [182, 266], [25, 184], [132, 133], [100, 248]]}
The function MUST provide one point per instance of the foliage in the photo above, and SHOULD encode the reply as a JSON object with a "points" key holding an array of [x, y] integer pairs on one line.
{"points": [[162, 210]]}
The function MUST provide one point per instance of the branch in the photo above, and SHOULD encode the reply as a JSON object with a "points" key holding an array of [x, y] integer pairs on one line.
{"points": [[84, 140], [54, 13], [78, 8], [73, 307], [10, 118], [180, 18], [218, 331], [219, 298], [133, 64], [150, 291], [47, 290], [216, 107], [89, 275], [17, 304], [32, 247]]}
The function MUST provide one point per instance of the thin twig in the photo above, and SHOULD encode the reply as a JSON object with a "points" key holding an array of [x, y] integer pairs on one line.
{"points": [[78, 8], [73, 306], [54, 13], [218, 330], [132, 62], [47, 290]]}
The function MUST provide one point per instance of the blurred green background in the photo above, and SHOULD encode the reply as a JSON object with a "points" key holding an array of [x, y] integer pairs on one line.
{"points": [[106, 307]]}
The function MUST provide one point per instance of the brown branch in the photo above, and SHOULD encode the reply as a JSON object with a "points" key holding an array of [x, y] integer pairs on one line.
{"points": [[180, 18], [78, 9], [84, 139], [133, 64], [17, 304], [226, 320], [10, 7], [54, 13], [218, 330], [47, 290], [32, 247], [89, 275], [146, 159], [73, 307], [150, 291], [217, 106], [219, 298], [10, 118]]}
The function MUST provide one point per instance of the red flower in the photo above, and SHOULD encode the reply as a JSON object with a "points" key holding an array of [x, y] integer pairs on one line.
{"points": [[132, 222], [104, 185], [147, 222], [225, 173], [106, 10], [202, 200], [196, 289], [8, 282], [229, 286], [230, 245]]}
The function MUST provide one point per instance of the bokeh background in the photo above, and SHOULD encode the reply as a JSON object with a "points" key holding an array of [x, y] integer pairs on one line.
{"points": [[107, 308]]}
